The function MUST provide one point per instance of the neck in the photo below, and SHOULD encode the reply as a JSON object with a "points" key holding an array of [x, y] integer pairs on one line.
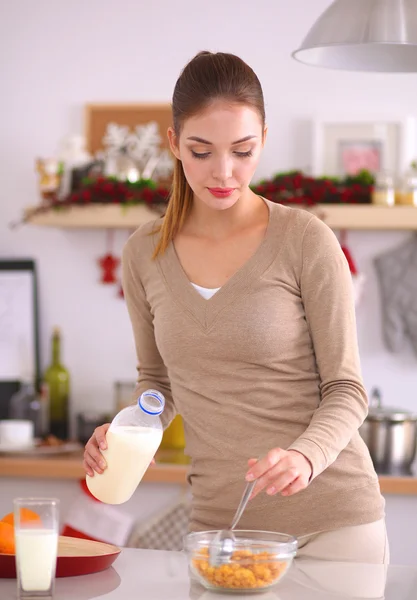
{"points": [[55, 350], [218, 224]]}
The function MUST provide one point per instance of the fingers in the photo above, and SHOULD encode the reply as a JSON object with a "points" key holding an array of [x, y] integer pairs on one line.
{"points": [[100, 435], [88, 469], [276, 479], [263, 465], [93, 459], [296, 486], [279, 472]]}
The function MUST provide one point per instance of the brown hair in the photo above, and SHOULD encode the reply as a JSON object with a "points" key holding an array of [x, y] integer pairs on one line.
{"points": [[207, 77]]}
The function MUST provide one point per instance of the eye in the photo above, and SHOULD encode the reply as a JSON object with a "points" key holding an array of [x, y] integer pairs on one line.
{"points": [[244, 154], [200, 155]]}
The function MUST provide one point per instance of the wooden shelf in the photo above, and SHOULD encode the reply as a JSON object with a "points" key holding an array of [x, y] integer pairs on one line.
{"points": [[168, 469], [112, 216], [107, 216], [367, 216], [400, 486], [171, 467]]}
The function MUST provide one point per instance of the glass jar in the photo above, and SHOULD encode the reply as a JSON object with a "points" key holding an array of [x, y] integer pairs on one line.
{"points": [[383, 193], [407, 194]]}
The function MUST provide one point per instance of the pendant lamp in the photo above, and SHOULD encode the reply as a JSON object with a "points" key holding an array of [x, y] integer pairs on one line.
{"points": [[363, 35]]}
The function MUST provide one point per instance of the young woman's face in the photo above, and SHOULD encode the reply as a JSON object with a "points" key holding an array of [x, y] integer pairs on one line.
{"points": [[220, 149]]}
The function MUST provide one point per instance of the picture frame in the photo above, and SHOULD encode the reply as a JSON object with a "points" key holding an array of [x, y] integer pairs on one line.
{"points": [[342, 146], [99, 115], [19, 324]]}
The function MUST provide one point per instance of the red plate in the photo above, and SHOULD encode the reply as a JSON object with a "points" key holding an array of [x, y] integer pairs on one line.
{"points": [[75, 557]]}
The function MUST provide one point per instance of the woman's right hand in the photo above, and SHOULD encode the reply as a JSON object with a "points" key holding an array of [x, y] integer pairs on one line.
{"points": [[93, 458]]}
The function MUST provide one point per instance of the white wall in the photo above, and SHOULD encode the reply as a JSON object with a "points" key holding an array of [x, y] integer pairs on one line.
{"points": [[57, 56]]}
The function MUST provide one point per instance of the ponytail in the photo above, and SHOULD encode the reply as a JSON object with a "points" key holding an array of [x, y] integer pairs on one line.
{"points": [[179, 206]]}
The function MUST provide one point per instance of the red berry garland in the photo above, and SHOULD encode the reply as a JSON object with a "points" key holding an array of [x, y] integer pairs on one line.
{"points": [[284, 188]]}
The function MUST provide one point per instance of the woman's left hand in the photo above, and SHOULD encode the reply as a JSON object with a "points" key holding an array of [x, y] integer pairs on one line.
{"points": [[280, 471]]}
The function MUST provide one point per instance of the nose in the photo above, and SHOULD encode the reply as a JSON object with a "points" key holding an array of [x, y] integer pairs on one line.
{"points": [[223, 169]]}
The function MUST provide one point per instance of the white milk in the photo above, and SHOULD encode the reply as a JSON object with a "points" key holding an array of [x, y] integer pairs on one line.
{"points": [[129, 453], [36, 553]]}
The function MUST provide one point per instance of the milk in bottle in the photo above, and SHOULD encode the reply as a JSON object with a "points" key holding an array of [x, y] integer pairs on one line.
{"points": [[132, 441]]}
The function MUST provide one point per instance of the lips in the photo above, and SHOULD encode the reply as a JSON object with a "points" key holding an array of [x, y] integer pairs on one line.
{"points": [[221, 192]]}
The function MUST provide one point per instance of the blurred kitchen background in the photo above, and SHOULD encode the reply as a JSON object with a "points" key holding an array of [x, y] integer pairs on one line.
{"points": [[60, 56]]}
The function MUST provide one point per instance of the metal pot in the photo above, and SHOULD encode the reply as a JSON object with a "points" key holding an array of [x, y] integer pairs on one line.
{"points": [[391, 436]]}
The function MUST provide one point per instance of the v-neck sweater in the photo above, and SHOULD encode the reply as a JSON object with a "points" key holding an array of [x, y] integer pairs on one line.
{"points": [[271, 360]]}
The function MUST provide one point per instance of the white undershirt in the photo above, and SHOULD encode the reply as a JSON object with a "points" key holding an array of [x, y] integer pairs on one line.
{"points": [[207, 293]]}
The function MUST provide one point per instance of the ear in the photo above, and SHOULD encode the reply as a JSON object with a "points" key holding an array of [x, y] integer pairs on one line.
{"points": [[264, 136], [173, 142]]}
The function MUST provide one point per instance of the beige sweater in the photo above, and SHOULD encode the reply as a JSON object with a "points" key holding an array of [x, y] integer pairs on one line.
{"points": [[271, 360]]}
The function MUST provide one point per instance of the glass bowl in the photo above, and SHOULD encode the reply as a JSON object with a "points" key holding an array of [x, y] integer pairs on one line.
{"points": [[260, 559]]}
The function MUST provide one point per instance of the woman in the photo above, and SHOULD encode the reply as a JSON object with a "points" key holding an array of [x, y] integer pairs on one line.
{"points": [[243, 318]]}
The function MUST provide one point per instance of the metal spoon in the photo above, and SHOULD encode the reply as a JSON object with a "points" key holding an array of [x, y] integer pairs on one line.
{"points": [[222, 545]]}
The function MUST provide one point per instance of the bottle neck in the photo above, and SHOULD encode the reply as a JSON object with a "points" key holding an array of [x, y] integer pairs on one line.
{"points": [[56, 349]]}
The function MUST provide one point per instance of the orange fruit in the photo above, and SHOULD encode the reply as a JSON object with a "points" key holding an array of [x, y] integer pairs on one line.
{"points": [[26, 515], [6, 538]]}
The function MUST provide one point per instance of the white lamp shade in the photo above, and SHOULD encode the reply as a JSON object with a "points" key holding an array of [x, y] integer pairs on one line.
{"points": [[364, 35]]}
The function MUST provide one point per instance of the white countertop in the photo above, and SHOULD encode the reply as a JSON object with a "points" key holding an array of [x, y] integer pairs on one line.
{"points": [[154, 575]]}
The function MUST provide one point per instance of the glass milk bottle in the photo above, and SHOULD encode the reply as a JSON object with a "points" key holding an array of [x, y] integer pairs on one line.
{"points": [[132, 439]]}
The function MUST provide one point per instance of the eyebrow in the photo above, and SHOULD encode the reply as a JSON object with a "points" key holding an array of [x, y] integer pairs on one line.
{"points": [[202, 141]]}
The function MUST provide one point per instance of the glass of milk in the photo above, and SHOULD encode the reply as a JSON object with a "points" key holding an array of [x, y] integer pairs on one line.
{"points": [[36, 536]]}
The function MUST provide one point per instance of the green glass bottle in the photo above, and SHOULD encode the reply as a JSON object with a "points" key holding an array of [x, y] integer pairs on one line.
{"points": [[58, 381]]}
